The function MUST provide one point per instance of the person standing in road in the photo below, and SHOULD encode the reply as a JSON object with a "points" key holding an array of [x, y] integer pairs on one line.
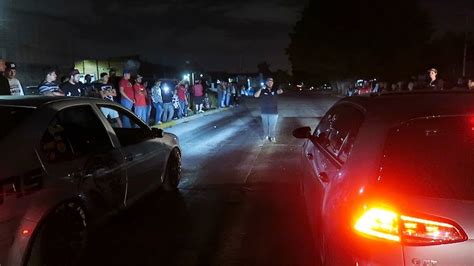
{"points": [[140, 99], [435, 83], [73, 87], [4, 85], [49, 87], [157, 100], [269, 108], [15, 85]]}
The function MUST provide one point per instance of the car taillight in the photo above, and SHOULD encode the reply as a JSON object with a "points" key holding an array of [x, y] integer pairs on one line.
{"points": [[390, 225]]}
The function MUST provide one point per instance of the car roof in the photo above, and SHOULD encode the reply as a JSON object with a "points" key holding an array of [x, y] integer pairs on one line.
{"points": [[38, 101], [403, 106]]}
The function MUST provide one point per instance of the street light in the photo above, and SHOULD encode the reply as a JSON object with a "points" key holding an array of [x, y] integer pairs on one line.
{"points": [[186, 77]]}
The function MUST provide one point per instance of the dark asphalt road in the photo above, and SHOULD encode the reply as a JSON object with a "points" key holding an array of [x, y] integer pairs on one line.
{"points": [[239, 201]]}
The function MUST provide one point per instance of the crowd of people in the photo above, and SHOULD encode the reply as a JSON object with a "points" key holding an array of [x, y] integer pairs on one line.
{"points": [[228, 94], [169, 99], [413, 84]]}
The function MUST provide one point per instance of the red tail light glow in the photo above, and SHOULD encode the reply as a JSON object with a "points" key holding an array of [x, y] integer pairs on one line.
{"points": [[390, 225]]}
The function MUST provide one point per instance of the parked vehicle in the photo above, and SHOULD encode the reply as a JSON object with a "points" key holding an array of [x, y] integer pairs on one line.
{"points": [[66, 164]]}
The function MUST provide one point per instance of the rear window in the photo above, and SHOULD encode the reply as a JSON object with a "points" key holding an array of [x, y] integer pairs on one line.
{"points": [[11, 118], [431, 157]]}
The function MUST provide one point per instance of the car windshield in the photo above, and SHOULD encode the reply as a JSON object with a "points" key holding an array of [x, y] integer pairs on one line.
{"points": [[12, 117], [431, 157]]}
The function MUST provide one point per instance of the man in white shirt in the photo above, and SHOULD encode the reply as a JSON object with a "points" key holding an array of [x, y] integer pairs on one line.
{"points": [[15, 85]]}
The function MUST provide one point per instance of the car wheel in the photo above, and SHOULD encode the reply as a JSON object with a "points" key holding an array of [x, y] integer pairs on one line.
{"points": [[61, 239], [173, 171]]}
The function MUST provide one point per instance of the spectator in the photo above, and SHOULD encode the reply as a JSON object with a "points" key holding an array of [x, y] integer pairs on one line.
{"points": [[461, 84], [73, 87], [127, 97], [176, 106], [411, 86], [206, 102], [394, 87], [182, 100], [140, 99], [470, 83], [49, 87], [4, 85], [223, 89], [220, 94], [269, 108], [167, 96], [114, 81], [232, 93], [89, 88], [107, 92], [236, 95], [88, 79], [15, 85], [157, 100], [148, 102], [228, 94], [198, 93], [435, 83]]}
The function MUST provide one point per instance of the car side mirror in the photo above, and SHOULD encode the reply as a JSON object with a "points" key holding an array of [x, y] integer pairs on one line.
{"points": [[157, 132], [302, 133]]}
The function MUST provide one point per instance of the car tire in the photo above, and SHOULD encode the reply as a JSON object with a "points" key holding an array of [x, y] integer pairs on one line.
{"points": [[172, 171], [61, 238]]}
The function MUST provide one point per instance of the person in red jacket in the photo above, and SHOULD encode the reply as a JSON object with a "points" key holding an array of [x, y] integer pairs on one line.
{"points": [[140, 99]]}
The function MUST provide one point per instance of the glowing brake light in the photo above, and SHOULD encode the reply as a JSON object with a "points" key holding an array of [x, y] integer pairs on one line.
{"points": [[389, 225], [379, 223]]}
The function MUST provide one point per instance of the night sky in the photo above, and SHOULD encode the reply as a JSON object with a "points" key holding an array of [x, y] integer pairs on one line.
{"points": [[215, 34]]}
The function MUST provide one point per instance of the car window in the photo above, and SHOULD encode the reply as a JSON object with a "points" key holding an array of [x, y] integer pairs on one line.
{"points": [[115, 116], [430, 158], [128, 128], [337, 130], [13, 117], [74, 132]]}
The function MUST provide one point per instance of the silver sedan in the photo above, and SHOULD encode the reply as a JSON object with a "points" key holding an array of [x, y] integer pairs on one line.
{"points": [[66, 164]]}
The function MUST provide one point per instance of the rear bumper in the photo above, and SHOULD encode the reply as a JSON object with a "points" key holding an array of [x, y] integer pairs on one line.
{"points": [[448, 254]]}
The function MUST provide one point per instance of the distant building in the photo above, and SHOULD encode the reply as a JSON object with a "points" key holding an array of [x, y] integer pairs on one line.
{"points": [[94, 67]]}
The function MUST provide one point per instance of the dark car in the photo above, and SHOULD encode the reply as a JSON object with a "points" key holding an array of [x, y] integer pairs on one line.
{"points": [[388, 180], [66, 164]]}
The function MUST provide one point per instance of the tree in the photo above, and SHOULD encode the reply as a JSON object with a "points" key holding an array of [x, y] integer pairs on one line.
{"points": [[446, 52], [264, 68], [358, 38]]}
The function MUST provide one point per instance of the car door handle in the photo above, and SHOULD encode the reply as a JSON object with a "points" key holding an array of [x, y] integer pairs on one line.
{"points": [[128, 157], [309, 156], [323, 177]]}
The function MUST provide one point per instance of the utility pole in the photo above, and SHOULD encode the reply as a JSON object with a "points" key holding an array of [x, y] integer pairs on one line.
{"points": [[465, 47]]}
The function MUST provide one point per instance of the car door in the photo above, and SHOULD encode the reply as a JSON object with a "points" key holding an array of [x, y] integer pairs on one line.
{"points": [[77, 150], [145, 154], [326, 152]]}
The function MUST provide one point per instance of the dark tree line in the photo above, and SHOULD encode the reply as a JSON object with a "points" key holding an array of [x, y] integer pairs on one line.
{"points": [[359, 38]]}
